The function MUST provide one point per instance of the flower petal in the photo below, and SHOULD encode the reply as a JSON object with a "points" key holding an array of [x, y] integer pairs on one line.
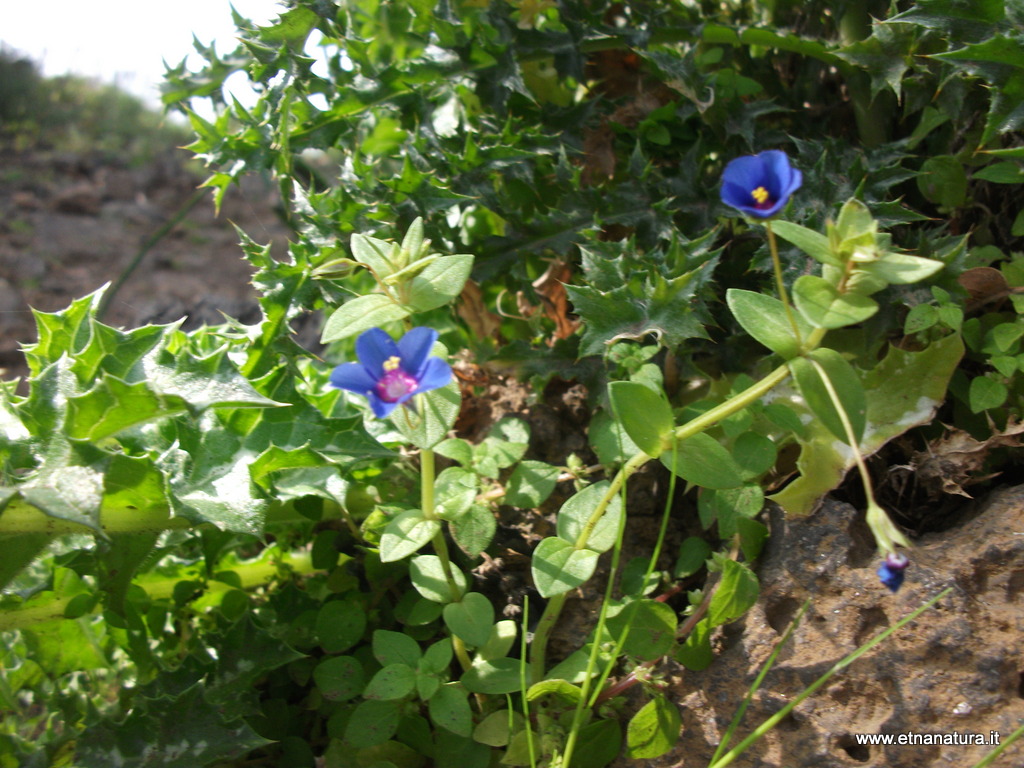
{"points": [[373, 347], [746, 172], [435, 374], [353, 377], [380, 408], [414, 348]]}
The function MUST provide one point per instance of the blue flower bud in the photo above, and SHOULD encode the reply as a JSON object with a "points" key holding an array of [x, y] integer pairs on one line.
{"points": [[891, 571]]}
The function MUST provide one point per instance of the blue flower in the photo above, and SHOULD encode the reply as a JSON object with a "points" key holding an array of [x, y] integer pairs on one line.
{"points": [[891, 572], [760, 185], [389, 374]]}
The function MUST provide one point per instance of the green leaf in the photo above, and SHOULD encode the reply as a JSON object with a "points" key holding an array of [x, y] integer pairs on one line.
{"points": [[654, 730], [727, 506], [449, 709], [470, 619], [901, 392], [439, 283], [693, 553], [340, 624], [395, 648], [427, 575], [577, 510], [1001, 173], [753, 535], [497, 728], [902, 268], [475, 530], [339, 678], [558, 566], [986, 393], [943, 181], [703, 461], [499, 642], [455, 489], [764, 318], [823, 306], [737, 591], [814, 244], [360, 314], [383, 257], [405, 534], [531, 483], [644, 413], [395, 681], [651, 627], [373, 722], [435, 414], [496, 676], [754, 453], [844, 382], [695, 652]]}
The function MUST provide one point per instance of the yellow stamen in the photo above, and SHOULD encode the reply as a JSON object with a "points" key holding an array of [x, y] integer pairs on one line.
{"points": [[760, 195], [392, 363]]}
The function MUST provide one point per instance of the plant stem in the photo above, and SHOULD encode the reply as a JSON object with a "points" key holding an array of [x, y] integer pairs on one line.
{"points": [[251, 573], [19, 517], [773, 246], [538, 648], [427, 503]]}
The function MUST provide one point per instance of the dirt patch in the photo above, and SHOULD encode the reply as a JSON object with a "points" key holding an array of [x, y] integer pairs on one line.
{"points": [[70, 223]]}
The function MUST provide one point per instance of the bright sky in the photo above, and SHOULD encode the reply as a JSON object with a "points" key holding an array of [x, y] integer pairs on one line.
{"points": [[122, 41]]}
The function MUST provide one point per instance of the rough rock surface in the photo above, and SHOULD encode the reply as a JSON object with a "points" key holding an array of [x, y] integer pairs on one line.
{"points": [[957, 668], [70, 223]]}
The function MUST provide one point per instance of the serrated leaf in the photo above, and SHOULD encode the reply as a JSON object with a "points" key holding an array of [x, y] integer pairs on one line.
{"points": [[113, 405]]}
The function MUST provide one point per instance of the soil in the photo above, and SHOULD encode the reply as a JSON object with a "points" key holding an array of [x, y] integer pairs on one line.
{"points": [[70, 224]]}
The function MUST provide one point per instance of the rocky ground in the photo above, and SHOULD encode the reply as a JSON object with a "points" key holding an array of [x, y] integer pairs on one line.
{"points": [[69, 224]]}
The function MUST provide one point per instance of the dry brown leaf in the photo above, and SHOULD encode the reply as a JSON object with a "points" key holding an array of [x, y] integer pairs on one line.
{"points": [[957, 460], [985, 285], [481, 321], [551, 288]]}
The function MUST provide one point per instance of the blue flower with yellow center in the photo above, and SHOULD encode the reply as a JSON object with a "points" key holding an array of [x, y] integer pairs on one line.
{"points": [[760, 185], [388, 374]]}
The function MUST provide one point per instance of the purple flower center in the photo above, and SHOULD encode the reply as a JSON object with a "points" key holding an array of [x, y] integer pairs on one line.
{"points": [[395, 383]]}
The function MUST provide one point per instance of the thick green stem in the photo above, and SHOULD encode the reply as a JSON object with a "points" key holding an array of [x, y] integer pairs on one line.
{"points": [[250, 574], [19, 518]]}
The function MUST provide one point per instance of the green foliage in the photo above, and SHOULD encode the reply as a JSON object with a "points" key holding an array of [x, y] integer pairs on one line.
{"points": [[575, 150]]}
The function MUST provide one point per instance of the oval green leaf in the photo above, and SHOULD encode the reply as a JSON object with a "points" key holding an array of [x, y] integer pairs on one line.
{"points": [[644, 414], [824, 307], [703, 461], [764, 318]]}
